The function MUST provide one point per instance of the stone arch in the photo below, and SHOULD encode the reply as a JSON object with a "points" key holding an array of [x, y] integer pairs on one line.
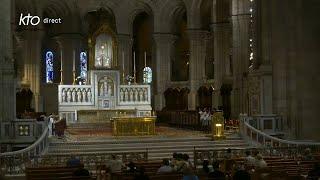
{"points": [[205, 96]]}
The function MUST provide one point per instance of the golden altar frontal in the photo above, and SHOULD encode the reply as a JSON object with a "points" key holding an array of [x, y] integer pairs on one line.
{"points": [[133, 126]]}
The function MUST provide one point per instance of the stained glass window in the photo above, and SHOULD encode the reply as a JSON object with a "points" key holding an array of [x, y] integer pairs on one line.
{"points": [[49, 67], [83, 65], [147, 75]]}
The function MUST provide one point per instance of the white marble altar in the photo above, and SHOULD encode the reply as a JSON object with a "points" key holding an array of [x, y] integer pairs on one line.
{"points": [[104, 92]]}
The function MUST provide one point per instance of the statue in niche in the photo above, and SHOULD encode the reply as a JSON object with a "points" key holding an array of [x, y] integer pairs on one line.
{"points": [[135, 95], [89, 96], [101, 92], [126, 95], [64, 95], [79, 95], [69, 95], [121, 96], [84, 94], [106, 86], [109, 90], [141, 95], [73, 95]]}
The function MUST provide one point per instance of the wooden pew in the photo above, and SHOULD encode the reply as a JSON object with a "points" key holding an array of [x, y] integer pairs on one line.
{"points": [[52, 173]]}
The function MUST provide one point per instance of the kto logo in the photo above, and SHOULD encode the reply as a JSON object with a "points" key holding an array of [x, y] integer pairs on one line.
{"points": [[26, 20]]}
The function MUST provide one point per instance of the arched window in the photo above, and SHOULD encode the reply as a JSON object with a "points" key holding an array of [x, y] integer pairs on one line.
{"points": [[83, 65], [147, 75], [49, 67]]}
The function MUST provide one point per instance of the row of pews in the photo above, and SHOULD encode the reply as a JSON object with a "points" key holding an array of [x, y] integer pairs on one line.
{"points": [[278, 167], [54, 173]]}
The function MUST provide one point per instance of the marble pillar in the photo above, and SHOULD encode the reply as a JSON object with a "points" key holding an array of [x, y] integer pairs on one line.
{"points": [[164, 50], [125, 48], [197, 65], [7, 78]]}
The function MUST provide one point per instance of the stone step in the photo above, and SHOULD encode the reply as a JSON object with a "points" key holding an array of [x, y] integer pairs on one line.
{"points": [[121, 140], [142, 147], [151, 152], [146, 143]]}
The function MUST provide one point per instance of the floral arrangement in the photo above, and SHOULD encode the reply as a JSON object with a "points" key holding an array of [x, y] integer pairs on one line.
{"points": [[129, 79]]}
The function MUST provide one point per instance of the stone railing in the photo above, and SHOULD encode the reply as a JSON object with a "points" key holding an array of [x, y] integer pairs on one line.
{"points": [[237, 153], [16, 161], [89, 160], [261, 138], [24, 131], [76, 95], [134, 95]]}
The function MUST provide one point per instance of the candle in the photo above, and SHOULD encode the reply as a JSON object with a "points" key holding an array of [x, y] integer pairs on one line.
{"points": [[145, 59], [123, 61], [61, 60], [74, 61], [134, 63]]}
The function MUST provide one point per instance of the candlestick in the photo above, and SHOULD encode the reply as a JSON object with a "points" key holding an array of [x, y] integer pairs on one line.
{"points": [[145, 59], [74, 68], [61, 59], [61, 68], [134, 67], [123, 67], [74, 61]]}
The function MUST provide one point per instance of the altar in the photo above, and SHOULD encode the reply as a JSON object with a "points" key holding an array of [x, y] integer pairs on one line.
{"points": [[102, 98], [133, 126]]}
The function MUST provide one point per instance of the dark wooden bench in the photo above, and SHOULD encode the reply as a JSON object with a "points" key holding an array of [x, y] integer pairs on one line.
{"points": [[52, 172]]}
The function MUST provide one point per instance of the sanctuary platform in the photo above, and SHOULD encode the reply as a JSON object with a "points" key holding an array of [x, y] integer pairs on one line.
{"points": [[95, 138]]}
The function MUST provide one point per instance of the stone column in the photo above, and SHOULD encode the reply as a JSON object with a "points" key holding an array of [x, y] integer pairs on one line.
{"points": [[125, 47], [164, 48], [7, 80], [221, 57], [197, 65], [32, 44], [240, 55]]}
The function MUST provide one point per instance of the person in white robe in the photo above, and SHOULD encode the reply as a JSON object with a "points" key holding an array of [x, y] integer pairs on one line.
{"points": [[50, 125]]}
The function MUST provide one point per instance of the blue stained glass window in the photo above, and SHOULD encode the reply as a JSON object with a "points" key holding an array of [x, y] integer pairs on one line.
{"points": [[83, 65], [147, 75], [49, 67]]}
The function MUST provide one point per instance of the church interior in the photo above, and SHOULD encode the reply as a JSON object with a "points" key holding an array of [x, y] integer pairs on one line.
{"points": [[159, 89]]}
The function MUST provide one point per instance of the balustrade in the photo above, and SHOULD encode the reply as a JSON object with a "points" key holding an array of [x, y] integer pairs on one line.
{"points": [[254, 135], [134, 94], [16, 162], [76, 95]]}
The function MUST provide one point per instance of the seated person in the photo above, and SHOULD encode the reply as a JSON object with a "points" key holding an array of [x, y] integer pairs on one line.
{"points": [[141, 175], [188, 174], [131, 167], [241, 173], [165, 168], [260, 163], [73, 161], [81, 172], [115, 164], [249, 160], [307, 156], [315, 172], [216, 173], [205, 167]]}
